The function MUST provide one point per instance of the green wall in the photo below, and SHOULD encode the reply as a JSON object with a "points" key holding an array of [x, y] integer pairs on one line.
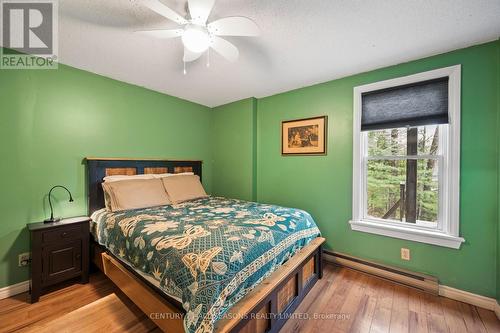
{"points": [[322, 185], [498, 152], [235, 149], [51, 119]]}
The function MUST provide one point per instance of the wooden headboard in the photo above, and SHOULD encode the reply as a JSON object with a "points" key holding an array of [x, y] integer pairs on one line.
{"points": [[98, 168]]}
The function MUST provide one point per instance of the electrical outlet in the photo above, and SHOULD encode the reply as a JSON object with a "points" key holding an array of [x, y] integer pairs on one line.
{"points": [[405, 254], [24, 259]]}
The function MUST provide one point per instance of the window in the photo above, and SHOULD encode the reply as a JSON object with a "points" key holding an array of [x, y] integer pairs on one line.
{"points": [[406, 157]]}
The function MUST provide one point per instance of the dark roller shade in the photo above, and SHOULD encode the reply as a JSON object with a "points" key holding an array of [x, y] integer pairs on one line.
{"points": [[423, 103]]}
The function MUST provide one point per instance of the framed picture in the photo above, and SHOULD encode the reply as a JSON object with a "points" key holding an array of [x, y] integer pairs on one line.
{"points": [[304, 136]]}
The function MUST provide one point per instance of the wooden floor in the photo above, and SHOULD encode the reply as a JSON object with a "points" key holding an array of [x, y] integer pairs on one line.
{"points": [[363, 303], [343, 301]]}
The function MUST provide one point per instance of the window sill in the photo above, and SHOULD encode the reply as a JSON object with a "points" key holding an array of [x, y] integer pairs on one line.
{"points": [[416, 235]]}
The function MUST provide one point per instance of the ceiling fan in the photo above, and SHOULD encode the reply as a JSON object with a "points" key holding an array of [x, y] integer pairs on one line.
{"points": [[197, 35]]}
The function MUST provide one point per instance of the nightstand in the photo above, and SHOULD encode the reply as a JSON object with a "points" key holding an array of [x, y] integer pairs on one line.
{"points": [[59, 252]]}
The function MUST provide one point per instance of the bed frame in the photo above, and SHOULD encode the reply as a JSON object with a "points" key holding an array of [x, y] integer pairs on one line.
{"points": [[265, 309]]}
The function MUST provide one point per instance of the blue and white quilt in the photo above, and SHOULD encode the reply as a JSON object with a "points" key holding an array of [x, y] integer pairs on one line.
{"points": [[207, 253]]}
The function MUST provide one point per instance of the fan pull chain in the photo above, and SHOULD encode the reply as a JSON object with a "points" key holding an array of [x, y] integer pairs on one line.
{"points": [[185, 72]]}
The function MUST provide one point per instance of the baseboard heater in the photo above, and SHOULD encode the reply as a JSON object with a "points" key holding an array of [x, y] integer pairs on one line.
{"points": [[419, 281]]}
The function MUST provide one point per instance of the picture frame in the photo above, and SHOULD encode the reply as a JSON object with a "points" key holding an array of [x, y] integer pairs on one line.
{"points": [[307, 136]]}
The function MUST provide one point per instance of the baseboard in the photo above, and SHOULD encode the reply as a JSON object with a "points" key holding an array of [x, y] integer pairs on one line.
{"points": [[415, 280], [470, 298], [419, 281], [14, 289]]}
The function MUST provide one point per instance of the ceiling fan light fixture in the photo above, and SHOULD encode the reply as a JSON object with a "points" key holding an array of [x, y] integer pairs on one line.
{"points": [[196, 38], [198, 35]]}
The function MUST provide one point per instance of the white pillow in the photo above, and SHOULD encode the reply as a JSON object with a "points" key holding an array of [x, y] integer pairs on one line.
{"points": [[163, 175], [180, 189], [135, 194], [124, 177]]}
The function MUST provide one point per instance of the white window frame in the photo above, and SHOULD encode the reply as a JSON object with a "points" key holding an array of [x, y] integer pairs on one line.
{"points": [[447, 232]]}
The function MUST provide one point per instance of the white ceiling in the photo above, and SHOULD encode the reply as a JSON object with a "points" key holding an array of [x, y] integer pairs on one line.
{"points": [[303, 42]]}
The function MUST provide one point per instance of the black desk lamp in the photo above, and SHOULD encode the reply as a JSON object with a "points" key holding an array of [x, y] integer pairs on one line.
{"points": [[52, 219]]}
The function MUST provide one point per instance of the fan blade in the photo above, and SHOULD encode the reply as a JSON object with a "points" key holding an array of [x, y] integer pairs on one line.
{"points": [[225, 49], [200, 10], [234, 26], [162, 33], [190, 56], [158, 7]]}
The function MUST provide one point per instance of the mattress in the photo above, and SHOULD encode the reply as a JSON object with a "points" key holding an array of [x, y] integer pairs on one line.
{"points": [[206, 253]]}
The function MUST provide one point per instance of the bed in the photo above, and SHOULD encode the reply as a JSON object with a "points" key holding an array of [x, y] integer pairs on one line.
{"points": [[208, 264]]}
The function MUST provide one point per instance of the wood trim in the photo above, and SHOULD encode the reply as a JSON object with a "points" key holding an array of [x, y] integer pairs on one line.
{"points": [[155, 171], [181, 169], [14, 289], [470, 298], [307, 271], [287, 293], [121, 172], [423, 282], [137, 159]]}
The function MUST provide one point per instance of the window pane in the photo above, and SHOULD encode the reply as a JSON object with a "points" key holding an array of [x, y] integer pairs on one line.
{"points": [[427, 191], [388, 142], [428, 140], [394, 142], [386, 179], [391, 195]]}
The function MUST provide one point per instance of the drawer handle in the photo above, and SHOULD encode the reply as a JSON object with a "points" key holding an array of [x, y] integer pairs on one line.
{"points": [[78, 256], [64, 234]]}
